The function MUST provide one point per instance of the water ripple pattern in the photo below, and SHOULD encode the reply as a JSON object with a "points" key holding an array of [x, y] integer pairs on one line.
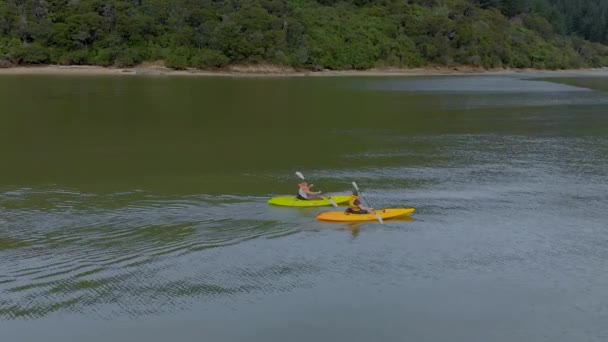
{"points": [[145, 216], [72, 252]]}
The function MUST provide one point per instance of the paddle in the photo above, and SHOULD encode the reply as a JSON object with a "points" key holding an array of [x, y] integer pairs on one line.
{"points": [[331, 200], [377, 215]]}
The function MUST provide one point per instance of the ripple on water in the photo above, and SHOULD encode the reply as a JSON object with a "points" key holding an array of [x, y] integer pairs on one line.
{"points": [[86, 254]]}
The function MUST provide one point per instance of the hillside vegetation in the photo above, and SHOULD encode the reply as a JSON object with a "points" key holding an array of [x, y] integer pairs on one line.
{"points": [[307, 34]]}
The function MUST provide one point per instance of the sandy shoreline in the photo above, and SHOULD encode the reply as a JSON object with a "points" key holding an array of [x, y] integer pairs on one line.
{"points": [[273, 71]]}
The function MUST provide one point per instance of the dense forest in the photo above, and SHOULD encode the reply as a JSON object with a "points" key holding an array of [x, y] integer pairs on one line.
{"points": [[309, 34]]}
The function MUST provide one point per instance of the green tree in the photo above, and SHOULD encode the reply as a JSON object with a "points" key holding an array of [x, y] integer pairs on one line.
{"points": [[346, 34]]}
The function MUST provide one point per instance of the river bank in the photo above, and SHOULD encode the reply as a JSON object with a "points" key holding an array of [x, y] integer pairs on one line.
{"points": [[277, 71]]}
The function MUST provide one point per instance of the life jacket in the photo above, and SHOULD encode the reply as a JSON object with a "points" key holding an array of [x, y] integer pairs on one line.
{"points": [[354, 204]]}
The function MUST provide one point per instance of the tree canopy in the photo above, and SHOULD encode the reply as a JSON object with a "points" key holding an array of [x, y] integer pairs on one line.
{"points": [[310, 34]]}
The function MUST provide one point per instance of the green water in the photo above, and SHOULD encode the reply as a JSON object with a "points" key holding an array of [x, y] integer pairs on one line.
{"points": [[134, 209]]}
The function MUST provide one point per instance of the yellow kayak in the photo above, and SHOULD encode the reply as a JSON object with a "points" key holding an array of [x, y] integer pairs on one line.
{"points": [[385, 214], [292, 201]]}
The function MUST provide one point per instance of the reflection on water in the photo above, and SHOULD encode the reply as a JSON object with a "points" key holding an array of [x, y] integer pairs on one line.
{"points": [[152, 205], [475, 84]]}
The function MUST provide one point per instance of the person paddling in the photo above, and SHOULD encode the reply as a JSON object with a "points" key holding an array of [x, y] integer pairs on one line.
{"points": [[305, 192], [355, 206]]}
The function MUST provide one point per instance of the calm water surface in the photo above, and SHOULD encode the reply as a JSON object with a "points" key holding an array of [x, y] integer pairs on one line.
{"points": [[134, 209]]}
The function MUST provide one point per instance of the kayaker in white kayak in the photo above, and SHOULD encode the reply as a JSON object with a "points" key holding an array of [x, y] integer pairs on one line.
{"points": [[355, 206], [305, 192]]}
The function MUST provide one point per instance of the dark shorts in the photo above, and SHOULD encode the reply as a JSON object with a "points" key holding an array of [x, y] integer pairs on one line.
{"points": [[360, 212], [310, 197]]}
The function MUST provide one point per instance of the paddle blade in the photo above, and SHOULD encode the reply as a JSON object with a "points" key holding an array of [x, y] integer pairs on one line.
{"points": [[355, 185], [331, 200], [379, 218], [299, 174]]}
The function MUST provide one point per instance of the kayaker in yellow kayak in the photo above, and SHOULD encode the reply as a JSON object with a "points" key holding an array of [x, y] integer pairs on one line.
{"points": [[305, 193], [355, 206]]}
